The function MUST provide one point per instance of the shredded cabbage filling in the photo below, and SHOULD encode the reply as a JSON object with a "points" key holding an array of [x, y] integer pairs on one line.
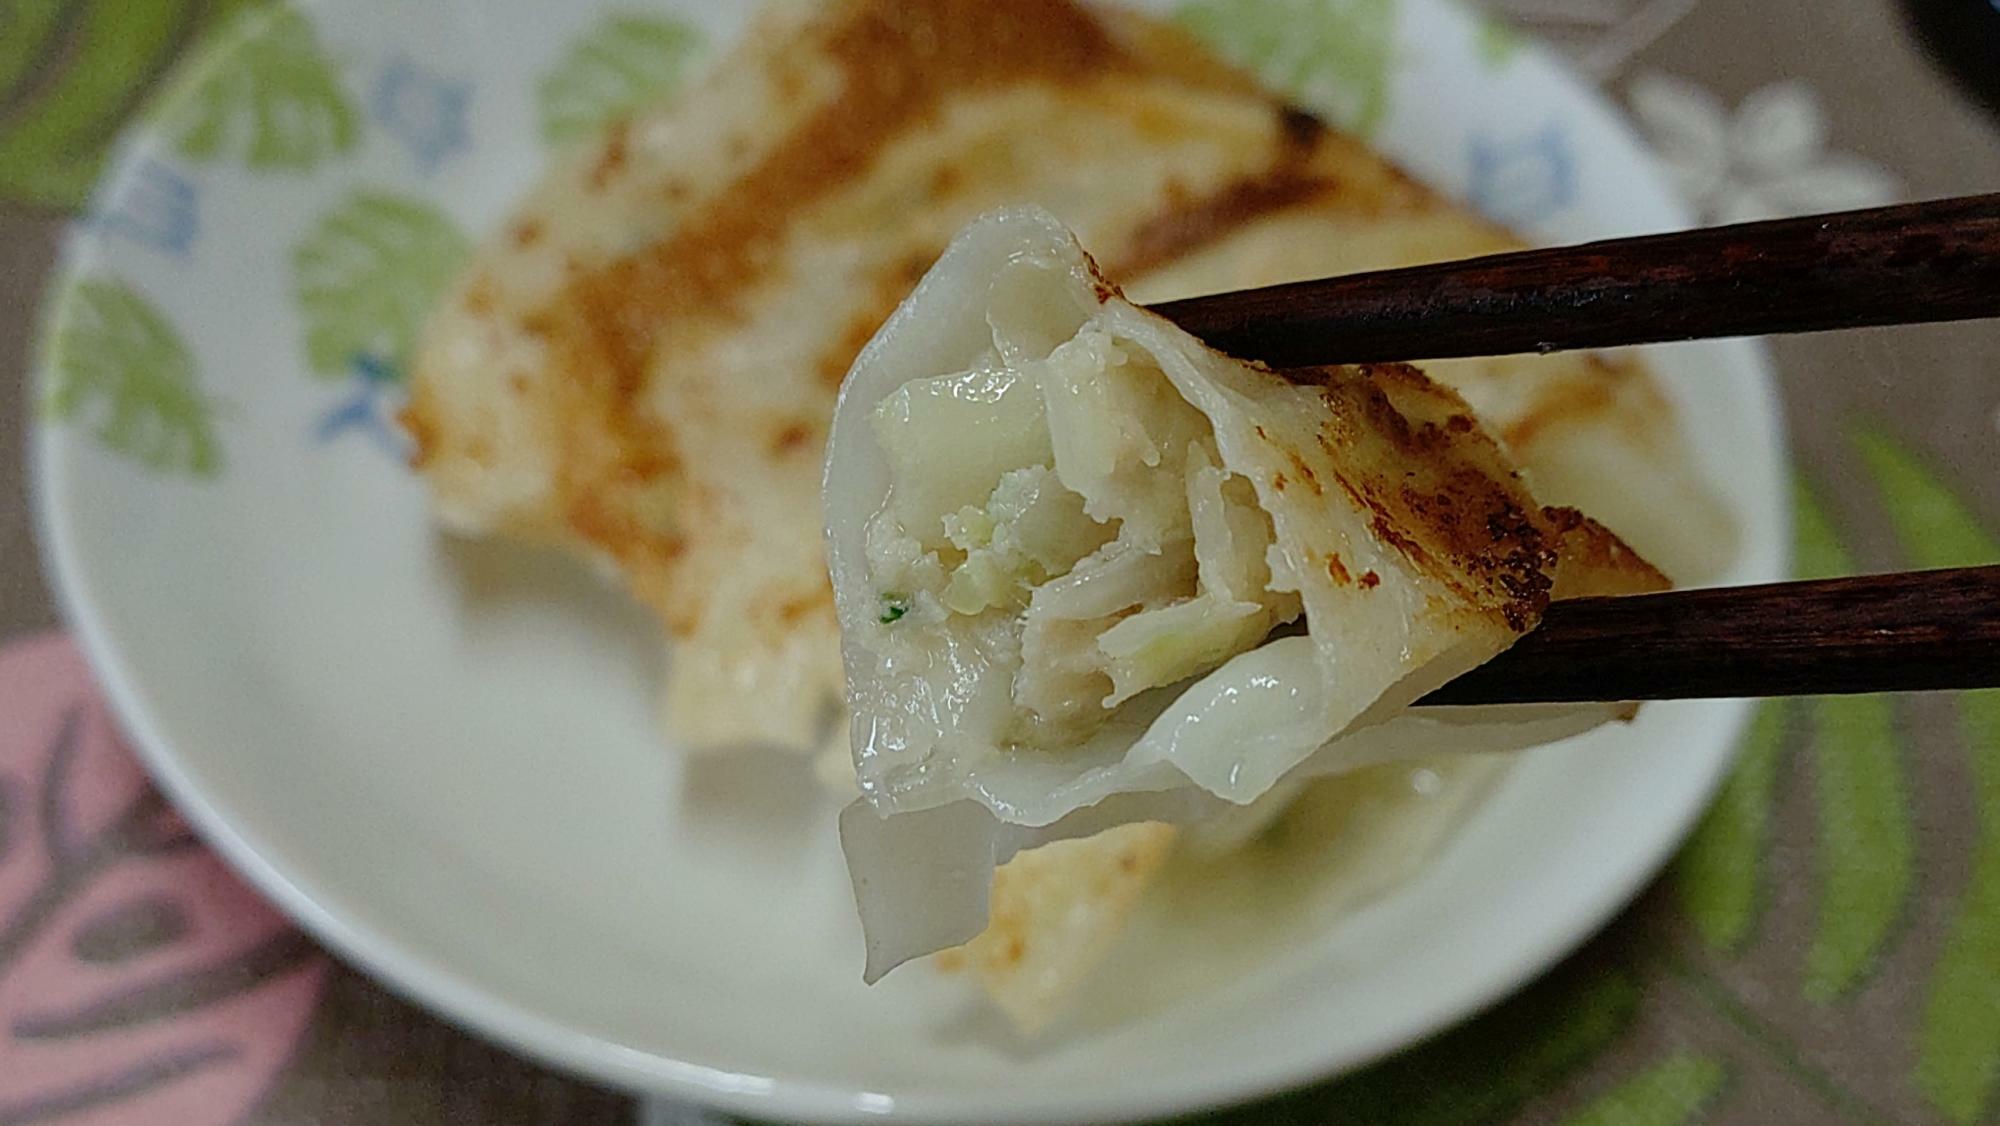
{"points": [[1080, 517]]}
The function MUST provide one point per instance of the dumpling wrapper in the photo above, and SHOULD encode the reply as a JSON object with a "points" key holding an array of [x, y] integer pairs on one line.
{"points": [[1394, 529]]}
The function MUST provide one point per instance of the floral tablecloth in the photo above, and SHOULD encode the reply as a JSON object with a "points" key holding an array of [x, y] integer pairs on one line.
{"points": [[1827, 948]]}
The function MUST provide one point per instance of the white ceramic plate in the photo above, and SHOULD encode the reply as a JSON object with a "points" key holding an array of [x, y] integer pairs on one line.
{"points": [[443, 761]]}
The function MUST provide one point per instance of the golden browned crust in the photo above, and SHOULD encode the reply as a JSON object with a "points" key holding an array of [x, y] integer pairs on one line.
{"points": [[1594, 561], [897, 65], [1316, 167], [1054, 912], [1594, 391], [1440, 490], [896, 62]]}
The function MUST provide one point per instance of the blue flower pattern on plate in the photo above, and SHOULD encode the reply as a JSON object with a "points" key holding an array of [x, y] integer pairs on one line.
{"points": [[368, 408], [426, 111], [158, 208], [1523, 180]]}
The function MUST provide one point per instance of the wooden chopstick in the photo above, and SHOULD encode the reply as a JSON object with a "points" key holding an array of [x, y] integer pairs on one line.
{"points": [[1909, 264], [1905, 632]]}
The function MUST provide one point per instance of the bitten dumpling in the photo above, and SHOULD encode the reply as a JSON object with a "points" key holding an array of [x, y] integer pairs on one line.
{"points": [[1089, 571]]}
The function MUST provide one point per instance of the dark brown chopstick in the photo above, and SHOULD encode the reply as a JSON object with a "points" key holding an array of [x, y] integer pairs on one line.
{"points": [[1905, 632], [1909, 264]]}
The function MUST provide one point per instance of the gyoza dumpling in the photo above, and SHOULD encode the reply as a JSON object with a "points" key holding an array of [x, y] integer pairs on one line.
{"points": [[1063, 532], [1590, 430], [1056, 912]]}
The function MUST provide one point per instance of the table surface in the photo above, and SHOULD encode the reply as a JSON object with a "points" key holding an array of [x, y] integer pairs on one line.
{"points": [[1771, 1000]]}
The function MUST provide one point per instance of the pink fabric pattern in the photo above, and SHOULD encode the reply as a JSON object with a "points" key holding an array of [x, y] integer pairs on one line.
{"points": [[140, 981]]}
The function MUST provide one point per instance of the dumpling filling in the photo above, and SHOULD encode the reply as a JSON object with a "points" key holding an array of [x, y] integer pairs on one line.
{"points": [[1091, 572], [1067, 515]]}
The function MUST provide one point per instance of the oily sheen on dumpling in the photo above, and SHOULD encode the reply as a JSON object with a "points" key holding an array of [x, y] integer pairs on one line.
{"points": [[1089, 571]]}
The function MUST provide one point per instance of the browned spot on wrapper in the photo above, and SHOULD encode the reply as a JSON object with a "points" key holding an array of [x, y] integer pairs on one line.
{"points": [[615, 155], [423, 436], [1456, 510], [1336, 570], [791, 438]]}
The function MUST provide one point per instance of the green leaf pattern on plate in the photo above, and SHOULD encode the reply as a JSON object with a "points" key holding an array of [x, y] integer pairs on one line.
{"points": [[274, 101], [117, 359], [1498, 43], [1333, 56], [625, 63], [100, 57], [1867, 855], [1716, 876], [1667, 1094], [1958, 1058], [368, 275]]}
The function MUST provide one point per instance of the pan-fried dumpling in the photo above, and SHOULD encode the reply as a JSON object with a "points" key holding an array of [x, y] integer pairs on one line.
{"points": [[1089, 571], [1056, 911], [1590, 430]]}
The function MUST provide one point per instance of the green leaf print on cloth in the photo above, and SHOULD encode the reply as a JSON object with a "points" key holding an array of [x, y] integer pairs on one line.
{"points": [[1483, 1071], [1867, 855], [625, 63], [1333, 56], [1716, 876], [1866, 858], [1958, 1057], [78, 71], [1669, 1094], [367, 277], [266, 95], [30, 27], [1935, 526], [117, 360]]}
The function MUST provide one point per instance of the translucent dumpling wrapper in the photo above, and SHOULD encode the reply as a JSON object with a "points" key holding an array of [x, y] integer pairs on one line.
{"points": [[1090, 572]]}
